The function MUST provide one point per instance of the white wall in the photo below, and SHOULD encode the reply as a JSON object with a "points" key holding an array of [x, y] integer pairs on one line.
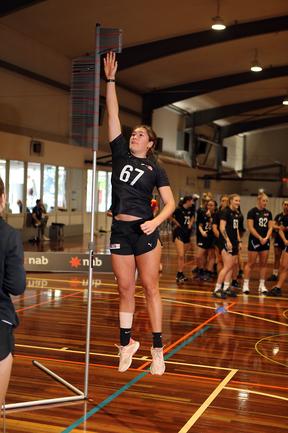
{"points": [[235, 148], [266, 147], [165, 123]]}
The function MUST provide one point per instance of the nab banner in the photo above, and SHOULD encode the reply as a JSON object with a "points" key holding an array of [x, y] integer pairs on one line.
{"points": [[65, 262]]}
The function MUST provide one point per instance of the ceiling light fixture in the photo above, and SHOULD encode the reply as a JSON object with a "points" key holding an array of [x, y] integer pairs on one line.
{"points": [[218, 23], [255, 65]]}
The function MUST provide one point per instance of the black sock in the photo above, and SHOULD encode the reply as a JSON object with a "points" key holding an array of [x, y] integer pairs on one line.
{"points": [[157, 339], [125, 335]]}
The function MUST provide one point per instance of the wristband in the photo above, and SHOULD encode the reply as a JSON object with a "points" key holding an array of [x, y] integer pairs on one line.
{"points": [[110, 80]]}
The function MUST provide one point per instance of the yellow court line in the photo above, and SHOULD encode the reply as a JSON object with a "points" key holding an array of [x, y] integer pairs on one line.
{"points": [[267, 357], [70, 289], [188, 303], [80, 352], [257, 317], [207, 402], [279, 397], [67, 281], [284, 314], [176, 289]]}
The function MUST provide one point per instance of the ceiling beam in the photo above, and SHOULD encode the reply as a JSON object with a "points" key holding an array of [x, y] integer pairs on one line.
{"points": [[203, 117], [143, 53], [10, 6], [160, 98], [242, 127]]}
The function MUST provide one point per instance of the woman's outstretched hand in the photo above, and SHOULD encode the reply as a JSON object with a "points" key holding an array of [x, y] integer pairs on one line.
{"points": [[110, 65]]}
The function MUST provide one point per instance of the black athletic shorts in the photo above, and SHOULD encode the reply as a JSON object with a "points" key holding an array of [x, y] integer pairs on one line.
{"points": [[235, 248], [205, 243], [182, 235], [6, 340], [278, 243], [256, 246], [127, 238]]}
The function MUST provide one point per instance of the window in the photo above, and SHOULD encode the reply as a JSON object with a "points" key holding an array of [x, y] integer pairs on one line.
{"points": [[3, 170], [104, 191], [33, 184], [62, 189], [76, 190], [49, 181], [16, 187], [89, 191]]}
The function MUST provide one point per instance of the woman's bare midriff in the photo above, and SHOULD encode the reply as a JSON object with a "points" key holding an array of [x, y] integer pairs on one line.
{"points": [[125, 217]]}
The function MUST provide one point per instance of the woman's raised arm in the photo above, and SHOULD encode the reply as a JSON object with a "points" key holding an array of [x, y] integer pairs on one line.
{"points": [[110, 68]]}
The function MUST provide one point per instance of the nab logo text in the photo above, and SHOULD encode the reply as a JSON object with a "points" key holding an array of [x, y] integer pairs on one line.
{"points": [[38, 260], [96, 262]]}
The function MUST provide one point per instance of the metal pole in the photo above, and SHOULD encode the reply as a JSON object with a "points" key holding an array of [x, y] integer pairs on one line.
{"points": [[47, 401], [58, 378], [94, 172]]}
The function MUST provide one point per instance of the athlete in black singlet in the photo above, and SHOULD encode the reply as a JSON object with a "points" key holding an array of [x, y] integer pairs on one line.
{"points": [[134, 231], [229, 242], [278, 242], [183, 218], [224, 202], [283, 270], [260, 226]]}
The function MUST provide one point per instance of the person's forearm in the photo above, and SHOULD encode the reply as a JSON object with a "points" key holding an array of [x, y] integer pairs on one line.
{"points": [[111, 99], [165, 213], [215, 231], [255, 233], [203, 233], [224, 234]]}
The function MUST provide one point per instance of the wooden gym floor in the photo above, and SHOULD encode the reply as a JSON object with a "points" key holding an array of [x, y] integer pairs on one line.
{"points": [[227, 361]]}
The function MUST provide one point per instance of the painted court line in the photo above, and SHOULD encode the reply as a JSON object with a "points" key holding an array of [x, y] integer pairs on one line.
{"points": [[258, 318], [46, 302], [207, 402], [168, 348], [265, 394], [128, 385]]}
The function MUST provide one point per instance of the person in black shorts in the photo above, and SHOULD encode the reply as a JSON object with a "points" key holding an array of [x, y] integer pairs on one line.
{"points": [[134, 239], [278, 242], [242, 230], [205, 241], [183, 218], [40, 218], [283, 270], [229, 242], [12, 282], [260, 226], [224, 202]]}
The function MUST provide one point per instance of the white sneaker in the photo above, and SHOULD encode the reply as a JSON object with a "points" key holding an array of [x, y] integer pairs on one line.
{"points": [[158, 365], [262, 290], [126, 353], [245, 290], [45, 238]]}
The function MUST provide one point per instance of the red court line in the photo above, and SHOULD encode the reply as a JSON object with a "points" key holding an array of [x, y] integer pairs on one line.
{"points": [[47, 302], [24, 297], [260, 385], [188, 335]]}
